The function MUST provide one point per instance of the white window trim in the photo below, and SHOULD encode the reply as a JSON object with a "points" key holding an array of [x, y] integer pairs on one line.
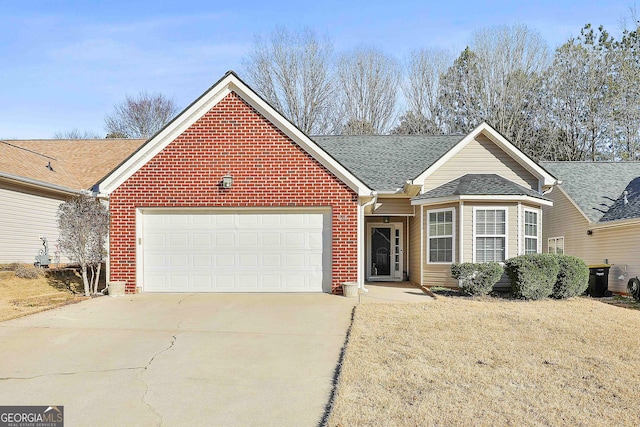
{"points": [[453, 235], [556, 246], [506, 228], [523, 230]]}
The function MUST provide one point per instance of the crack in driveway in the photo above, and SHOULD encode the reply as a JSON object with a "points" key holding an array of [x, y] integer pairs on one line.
{"points": [[145, 368], [57, 374]]}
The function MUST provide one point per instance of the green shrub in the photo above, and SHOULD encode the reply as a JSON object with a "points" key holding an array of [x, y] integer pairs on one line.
{"points": [[573, 277], [28, 272], [532, 276], [478, 278]]}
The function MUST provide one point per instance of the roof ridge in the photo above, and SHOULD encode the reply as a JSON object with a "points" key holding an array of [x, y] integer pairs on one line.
{"points": [[26, 149]]}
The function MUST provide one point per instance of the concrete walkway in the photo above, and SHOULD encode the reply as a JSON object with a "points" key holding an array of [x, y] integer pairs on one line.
{"points": [[392, 292], [179, 359]]}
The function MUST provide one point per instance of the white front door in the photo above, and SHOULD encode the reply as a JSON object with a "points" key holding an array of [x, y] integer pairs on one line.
{"points": [[384, 254]]}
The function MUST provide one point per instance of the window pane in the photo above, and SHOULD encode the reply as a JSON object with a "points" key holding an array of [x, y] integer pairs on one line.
{"points": [[530, 246], [560, 245], [552, 246], [441, 236]]}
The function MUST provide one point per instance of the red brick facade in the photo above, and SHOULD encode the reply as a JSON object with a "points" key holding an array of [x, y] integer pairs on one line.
{"points": [[268, 168]]}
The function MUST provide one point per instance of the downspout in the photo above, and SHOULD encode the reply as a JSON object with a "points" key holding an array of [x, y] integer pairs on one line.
{"points": [[374, 194]]}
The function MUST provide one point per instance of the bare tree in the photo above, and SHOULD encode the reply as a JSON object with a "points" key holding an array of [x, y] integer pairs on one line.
{"points": [[510, 60], [75, 133], [423, 69], [369, 82], [140, 117], [292, 72], [84, 225]]}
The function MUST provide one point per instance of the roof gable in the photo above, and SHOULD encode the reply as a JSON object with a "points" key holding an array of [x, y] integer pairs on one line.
{"points": [[228, 84], [597, 187], [546, 179]]}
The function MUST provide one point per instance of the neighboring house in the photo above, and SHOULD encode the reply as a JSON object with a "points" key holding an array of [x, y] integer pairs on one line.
{"points": [[36, 176], [231, 197], [596, 216]]}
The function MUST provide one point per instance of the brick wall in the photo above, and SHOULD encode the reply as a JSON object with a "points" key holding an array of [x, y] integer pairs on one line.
{"points": [[268, 168]]}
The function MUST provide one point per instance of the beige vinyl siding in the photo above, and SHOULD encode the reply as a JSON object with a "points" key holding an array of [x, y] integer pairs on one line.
{"points": [[23, 218], [563, 219], [617, 245], [620, 247], [481, 156], [393, 206], [439, 274], [405, 243], [415, 252]]}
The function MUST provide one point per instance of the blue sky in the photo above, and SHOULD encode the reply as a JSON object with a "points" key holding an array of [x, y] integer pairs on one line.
{"points": [[64, 64]]}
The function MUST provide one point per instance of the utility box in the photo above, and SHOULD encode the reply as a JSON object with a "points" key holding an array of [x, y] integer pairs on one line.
{"points": [[599, 280]]}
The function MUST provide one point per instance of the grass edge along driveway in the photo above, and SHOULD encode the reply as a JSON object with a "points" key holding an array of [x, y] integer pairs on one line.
{"points": [[465, 361]]}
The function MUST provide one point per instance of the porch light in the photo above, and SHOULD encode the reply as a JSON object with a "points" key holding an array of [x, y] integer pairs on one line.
{"points": [[385, 219], [227, 181]]}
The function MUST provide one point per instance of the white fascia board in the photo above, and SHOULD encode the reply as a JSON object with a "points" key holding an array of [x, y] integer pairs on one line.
{"points": [[34, 183], [299, 137], [230, 83], [545, 178], [483, 198]]}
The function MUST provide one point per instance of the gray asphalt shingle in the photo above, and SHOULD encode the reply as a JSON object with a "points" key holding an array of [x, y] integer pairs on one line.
{"points": [[479, 185], [597, 186], [386, 162]]}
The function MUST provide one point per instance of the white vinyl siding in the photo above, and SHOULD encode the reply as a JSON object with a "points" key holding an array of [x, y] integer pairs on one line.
{"points": [[530, 231], [441, 235], [24, 218], [489, 234], [555, 245]]}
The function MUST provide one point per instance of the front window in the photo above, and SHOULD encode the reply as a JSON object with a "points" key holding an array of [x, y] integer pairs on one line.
{"points": [[530, 232], [440, 224], [490, 234], [555, 245]]}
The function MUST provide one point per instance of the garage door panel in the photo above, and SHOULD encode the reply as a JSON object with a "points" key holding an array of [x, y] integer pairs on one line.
{"points": [[225, 239], [249, 252]]}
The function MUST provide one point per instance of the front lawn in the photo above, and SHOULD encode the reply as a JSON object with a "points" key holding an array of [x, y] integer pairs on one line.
{"points": [[19, 296], [463, 361]]}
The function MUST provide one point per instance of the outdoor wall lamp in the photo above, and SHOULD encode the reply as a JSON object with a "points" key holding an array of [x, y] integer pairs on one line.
{"points": [[385, 219], [227, 181]]}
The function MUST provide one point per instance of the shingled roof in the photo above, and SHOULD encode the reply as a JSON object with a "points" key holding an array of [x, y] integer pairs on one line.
{"points": [[386, 162], [67, 163], [597, 187], [479, 185]]}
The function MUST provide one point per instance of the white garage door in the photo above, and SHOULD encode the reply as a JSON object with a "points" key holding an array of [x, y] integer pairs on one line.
{"points": [[235, 252]]}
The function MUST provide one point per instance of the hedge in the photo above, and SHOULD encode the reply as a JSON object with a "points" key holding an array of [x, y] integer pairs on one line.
{"points": [[532, 276], [573, 277], [476, 278]]}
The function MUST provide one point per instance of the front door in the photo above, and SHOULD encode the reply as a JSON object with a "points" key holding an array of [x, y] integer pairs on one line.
{"points": [[384, 257]]}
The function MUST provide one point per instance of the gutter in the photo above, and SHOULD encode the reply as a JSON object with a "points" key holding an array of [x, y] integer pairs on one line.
{"points": [[41, 184], [374, 199]]}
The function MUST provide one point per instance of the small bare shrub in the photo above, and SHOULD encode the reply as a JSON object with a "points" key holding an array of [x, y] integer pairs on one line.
{"points": [[28, 272]]}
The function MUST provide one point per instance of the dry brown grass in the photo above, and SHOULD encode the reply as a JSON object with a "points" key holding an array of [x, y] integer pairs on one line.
{"points": [[19, 297], [490, 362]]}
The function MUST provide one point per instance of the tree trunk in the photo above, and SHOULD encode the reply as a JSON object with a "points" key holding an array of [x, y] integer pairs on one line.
{"points": [[85, 280], [97, 278]]}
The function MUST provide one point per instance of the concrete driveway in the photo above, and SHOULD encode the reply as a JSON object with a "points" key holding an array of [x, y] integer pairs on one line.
{"points": [[178, 359]]}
